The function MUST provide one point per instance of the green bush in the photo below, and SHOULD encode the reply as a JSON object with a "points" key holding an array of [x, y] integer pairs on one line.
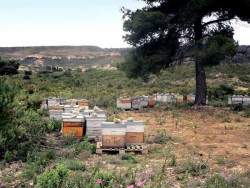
{"points": [[129, 157], [76, 165], [194, 167], [53, 178]]}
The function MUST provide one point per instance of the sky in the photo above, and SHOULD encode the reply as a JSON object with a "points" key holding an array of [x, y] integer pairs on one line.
{"points": [[72, 22]]}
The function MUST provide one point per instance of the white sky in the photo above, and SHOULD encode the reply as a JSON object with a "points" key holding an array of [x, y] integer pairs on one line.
{"points": [[71, 22]]}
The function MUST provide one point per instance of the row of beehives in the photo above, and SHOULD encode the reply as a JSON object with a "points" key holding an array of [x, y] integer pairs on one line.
{"points": [[239, 100], [111, 134], [135, 102], [150, 101], [175, 98], [56, 112], [49, 103]]}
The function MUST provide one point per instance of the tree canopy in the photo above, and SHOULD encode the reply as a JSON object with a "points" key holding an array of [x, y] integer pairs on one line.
{"points": [[165, 32]]}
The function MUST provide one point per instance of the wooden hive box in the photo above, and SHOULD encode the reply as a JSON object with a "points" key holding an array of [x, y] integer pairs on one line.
{"points": [[179, 98], [94, 126], [56, 107], [124, 103], [83, 102], [71, 102], [98, 112], [73, 125], [190, 98], [144, 101], [136, 104], [151, 101], [113, 135], [134, 132], [70, 108], [55, 114]]}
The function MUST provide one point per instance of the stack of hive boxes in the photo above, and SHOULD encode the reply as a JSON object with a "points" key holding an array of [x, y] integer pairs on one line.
{"points": [[89, 120], [94, 123], [118, 135], [57, 106]]}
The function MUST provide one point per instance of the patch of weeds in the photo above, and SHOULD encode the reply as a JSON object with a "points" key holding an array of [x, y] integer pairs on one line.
{"points": [[173, 160], [112, 159], [37, 162], [194, 167], [129, 157], [218, 181], [75, 165], [238, 120], [159, 138], [221, 161], [227, 120], [230, 164], [195, 128], [69, 140], [220, 115], [203, 116], [161, 120], [247, 113], [53, 177]]}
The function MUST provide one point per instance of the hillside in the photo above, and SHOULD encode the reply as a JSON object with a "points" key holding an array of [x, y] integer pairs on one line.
{"points": [[64, 56], [187, 147]]}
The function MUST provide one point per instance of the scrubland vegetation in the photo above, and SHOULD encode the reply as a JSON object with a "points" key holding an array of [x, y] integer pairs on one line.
{"points": [[187, 148]]}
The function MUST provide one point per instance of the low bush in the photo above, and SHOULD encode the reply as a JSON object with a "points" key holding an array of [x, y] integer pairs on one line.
{"points": [[53, 177]]}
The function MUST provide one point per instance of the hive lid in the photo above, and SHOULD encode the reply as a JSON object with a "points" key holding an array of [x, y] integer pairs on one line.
{"points": [[113, 125]]}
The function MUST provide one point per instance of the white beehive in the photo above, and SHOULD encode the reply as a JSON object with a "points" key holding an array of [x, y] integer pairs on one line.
{"points": [[55, 114], [70, 108], [94, 126], [113, 134], [134, 132], [124, 103]]}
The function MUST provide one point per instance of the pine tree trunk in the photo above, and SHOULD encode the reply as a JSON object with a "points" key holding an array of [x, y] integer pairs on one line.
{"points": [[201, 86]]}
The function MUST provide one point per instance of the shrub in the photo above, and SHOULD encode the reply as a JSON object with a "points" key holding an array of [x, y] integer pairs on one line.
{"points": [[194, 167], [129, 157], [53, 177], [76, 165], [8, 70]]}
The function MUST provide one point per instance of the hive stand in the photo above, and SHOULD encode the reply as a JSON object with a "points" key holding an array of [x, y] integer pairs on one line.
{"points": [[127, 149]]}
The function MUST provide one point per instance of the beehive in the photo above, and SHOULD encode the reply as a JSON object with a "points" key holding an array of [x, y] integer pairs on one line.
{"points": [[179, 98], [56, 107], [124, 103], [98, 112], [71, 102], [113, 135], [70, 108], [83, 102], [151, 101], [94, 126], [190, 98], [134, 132], [243, 100], [144, 101], [136, 104], [55, 114], [73, 125], [51, 101]]}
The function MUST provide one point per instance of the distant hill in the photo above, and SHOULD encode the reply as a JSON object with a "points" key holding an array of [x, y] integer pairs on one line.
{"points": [[64, 56]]}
